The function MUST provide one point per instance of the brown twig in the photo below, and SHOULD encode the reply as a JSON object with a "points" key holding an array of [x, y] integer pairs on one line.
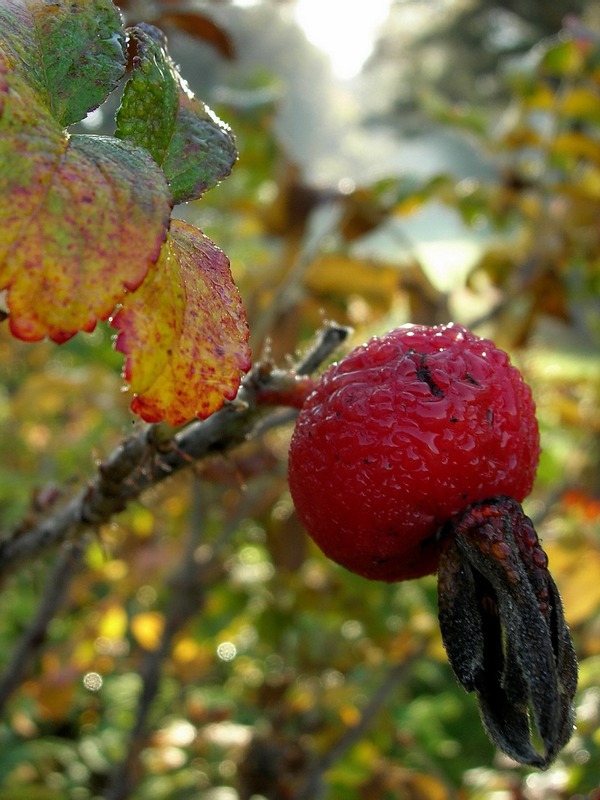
{"points": [[34, 636], [188, 588], [186, 597], [313, 788], [145, 459]]}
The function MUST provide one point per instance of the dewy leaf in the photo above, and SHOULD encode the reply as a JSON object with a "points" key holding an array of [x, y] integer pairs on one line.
{"points": [[202, 151], [194, 148], [71, 53], [83, 217], [148, 112], [184, 332]]}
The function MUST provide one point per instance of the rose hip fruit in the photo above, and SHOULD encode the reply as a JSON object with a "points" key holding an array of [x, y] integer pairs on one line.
{"points": [[401, 435], [412, 455]]}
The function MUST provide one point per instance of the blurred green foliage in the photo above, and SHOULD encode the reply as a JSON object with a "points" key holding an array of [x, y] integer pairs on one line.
{"points": [[264, 684]]}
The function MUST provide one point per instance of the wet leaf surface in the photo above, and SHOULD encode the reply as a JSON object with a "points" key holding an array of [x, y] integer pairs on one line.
{"points": [[83, 218], [184, 332], [195, 149], [71, 54]]}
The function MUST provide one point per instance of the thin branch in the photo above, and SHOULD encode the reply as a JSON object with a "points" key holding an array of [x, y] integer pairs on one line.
{"points": [[313, 788], [187, 596], [328, 339], [188, 589], [34, 636], [145, 459]]}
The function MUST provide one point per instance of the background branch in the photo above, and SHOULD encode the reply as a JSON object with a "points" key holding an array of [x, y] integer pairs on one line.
{"points": [[32, 639], [313, 788], [188, 588]]}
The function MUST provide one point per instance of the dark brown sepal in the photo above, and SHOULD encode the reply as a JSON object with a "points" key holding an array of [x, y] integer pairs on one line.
{"points": [[504, 630]]}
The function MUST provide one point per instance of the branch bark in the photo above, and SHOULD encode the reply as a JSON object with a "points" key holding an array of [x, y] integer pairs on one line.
{"points": [[148, 457]]}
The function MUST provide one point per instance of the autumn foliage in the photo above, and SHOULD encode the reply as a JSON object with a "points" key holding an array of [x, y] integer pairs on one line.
{"points": [[87, 219], [168, 631]]}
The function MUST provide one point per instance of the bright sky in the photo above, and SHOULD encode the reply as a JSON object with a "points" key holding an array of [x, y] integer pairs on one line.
{"points": [[344, 29]]}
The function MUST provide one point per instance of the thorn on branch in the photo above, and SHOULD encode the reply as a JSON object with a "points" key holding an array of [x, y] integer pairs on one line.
{"points": [[290, 388], [105, 496], [329, 338]]}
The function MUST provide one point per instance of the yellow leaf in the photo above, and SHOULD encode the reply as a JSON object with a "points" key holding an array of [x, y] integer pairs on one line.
{"points": [[576, 574], [339, 275], [542, 97], [141, 520], [113, 623], [186, 650], [184, 332], [83, 655], [577, 145], [349, 715], [116, 569], [581, 102], [147, 629], [421, 786]]}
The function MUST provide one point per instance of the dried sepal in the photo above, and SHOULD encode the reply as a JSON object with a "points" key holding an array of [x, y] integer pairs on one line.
{"points": [[504, 629]]}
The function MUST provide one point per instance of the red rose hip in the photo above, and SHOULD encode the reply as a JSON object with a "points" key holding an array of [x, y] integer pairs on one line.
{"points": [[400, 436], [412, 455]]}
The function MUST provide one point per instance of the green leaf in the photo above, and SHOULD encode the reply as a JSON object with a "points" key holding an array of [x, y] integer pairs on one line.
{"points": [[71, 54], [202, 151], [194, 147], [83, 217], [564, 57], [148, 112]]}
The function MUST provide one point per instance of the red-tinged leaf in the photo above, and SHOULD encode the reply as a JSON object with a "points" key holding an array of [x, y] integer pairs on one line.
{"points": [[71, 54], [184, 332], [195, 148], [83, 217]]}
